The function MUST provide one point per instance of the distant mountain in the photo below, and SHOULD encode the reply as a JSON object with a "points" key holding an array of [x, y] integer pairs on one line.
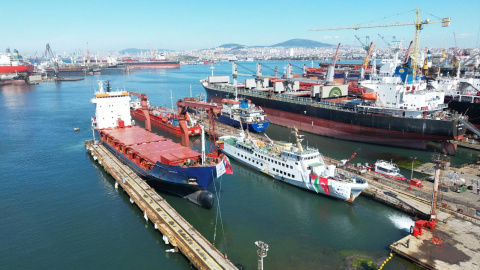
{"points": [[301, 43], [231, 45]]}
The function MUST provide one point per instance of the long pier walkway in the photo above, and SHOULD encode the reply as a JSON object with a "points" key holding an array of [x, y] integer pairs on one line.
{"points": [[181, 235]]}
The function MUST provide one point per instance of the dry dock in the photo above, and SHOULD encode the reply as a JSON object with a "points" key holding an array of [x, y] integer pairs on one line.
{"points": [[180, 233]]}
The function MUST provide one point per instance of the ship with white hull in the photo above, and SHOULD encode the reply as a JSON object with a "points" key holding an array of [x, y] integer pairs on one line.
{"points": [[300, 166]]}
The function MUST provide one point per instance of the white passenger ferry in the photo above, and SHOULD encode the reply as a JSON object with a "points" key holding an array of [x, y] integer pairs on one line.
{"points": [[294, 164]]}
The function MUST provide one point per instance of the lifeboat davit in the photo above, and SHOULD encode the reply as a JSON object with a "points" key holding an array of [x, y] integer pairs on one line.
{"points": [[369, 96]]}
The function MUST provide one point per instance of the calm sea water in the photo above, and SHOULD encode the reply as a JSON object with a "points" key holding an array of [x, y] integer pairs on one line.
{"points": [[60, 211]]}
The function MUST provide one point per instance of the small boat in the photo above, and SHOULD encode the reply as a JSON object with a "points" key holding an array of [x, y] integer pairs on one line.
{"points": [[388, 169], [297, 165], [245, 112], [237, 113]]}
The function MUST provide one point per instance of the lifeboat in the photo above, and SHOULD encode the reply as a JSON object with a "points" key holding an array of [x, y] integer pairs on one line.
{"points": [[369, 96]]}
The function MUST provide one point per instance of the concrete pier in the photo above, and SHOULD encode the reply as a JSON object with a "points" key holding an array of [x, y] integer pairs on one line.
{"points": [[458, 250], [181, 235]]}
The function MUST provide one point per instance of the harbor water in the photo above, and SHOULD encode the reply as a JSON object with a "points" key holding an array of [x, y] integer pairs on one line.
{"points": [[60, 209]]}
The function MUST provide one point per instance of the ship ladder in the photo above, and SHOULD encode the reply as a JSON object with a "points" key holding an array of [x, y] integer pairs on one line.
{"points": [[469, 125]]}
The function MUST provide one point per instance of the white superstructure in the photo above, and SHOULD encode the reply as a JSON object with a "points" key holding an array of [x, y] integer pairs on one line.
{"points": [[295, 164], [110, 107]]}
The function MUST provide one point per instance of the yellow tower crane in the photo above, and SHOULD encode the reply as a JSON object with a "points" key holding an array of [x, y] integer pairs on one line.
{"points": [[418, 23]]}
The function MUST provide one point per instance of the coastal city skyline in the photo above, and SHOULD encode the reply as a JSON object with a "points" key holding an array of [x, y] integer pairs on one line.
{"points": [[191, 25]]}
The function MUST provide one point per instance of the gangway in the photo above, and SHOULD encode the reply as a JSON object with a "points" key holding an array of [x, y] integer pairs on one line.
{"points": [[469, 125]]}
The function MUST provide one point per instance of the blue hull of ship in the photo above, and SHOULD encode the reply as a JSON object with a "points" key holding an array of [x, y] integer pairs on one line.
{"points": [[256, 127], [171, 176]]}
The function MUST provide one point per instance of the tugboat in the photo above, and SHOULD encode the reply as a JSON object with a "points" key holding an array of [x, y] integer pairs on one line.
{"points": [[168, 166], [297, 165]]}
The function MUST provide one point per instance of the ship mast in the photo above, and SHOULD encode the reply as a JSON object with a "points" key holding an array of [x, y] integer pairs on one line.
{"points": [[298, 139], [234, 76]]}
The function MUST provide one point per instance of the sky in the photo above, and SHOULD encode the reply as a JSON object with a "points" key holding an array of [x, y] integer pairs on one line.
{"points": [[191, 25]]}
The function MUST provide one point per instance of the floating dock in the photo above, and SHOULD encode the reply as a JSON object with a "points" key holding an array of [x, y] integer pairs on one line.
{"points": [[179, 232]]}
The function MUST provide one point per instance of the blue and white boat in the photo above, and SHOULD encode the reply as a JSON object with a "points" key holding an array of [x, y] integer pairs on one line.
{"points": [[244, 112]]}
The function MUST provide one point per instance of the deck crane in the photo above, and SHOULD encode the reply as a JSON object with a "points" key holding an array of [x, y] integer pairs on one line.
{"points": [[418, 23], [344, 162], [144, 104], [365, 45], [364, 66], [331, 68], [213, 110], [49, 54]]}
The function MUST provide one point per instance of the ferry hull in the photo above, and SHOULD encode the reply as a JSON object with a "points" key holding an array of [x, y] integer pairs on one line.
{"points": [[345, 193], [347, 125]]}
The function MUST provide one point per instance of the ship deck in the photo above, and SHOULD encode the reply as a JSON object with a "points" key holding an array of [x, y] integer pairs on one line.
{"points": [[150, 145]]}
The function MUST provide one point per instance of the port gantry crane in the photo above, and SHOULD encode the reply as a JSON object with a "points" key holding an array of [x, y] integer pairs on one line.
{"points": [[365, 45], [418, 23]]}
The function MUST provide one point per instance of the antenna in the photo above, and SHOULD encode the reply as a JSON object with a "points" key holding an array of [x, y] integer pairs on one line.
{"points": [[171, 98]]}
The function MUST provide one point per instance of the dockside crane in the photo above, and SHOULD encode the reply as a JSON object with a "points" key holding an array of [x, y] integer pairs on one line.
{"points": [[418, 23], [49, 54], [364, 45]]}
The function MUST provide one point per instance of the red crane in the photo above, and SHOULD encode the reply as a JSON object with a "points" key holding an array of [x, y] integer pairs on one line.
{"points": [[212, 110], [143, 102], [346, 161]]}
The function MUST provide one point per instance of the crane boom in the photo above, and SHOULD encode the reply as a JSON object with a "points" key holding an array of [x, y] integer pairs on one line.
{"points": [[336, 55], [152, 51], [369, 54], [418, 23], [144, 104], [49, 53]]}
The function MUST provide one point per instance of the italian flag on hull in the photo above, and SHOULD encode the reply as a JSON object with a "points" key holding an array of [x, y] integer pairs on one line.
{"points": [[319, 181]]}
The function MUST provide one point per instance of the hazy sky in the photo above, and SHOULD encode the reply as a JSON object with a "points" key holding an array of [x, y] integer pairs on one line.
{"points": [[183, 25]]}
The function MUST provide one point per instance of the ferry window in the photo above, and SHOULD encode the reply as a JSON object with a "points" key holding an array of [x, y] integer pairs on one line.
{"points": [[291, 167]]}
